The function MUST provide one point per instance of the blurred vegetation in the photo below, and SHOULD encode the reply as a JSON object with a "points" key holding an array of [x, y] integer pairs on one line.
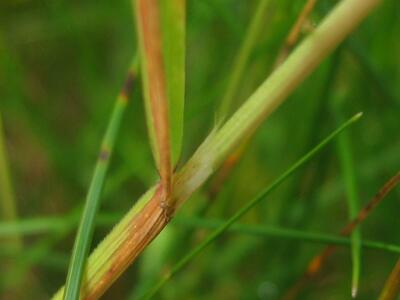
{"points": [[63, 62]]}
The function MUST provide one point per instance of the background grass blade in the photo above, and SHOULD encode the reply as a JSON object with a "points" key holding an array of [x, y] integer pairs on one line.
{"points": [[281, 232], [233, 84], [154, 86], [8, 208], [53, 225], [241, 59], [173, 30], [221, 229], [86, 227], [349, 174], [7, 196]]}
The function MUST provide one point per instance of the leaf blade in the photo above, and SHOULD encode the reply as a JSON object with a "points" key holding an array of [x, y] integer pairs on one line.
{"points": [[154, 85], [348, 168], [173, 20]]}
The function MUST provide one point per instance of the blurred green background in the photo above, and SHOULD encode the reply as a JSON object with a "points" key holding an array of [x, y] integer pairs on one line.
{"points": [[61, 66]]}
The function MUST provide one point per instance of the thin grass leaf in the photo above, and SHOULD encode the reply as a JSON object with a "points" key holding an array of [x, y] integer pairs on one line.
{"points": [[7, 196], [173, 30], [283, 233], [30, 226], [8, 209], [85, 231], [54, 225], [241, 59], [391, 290], [252, 203], [347, 165], [236, 75], [154, 86]]}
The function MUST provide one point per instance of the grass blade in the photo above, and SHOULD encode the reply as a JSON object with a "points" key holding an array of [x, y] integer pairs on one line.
{"points": [[221, 229], [348, 169], [86, 227], [173, 29], [154, 87], [54, 225], [283, 233], [30, 226], [234, 79], [50, 225], [7, 198], [242, 58]]}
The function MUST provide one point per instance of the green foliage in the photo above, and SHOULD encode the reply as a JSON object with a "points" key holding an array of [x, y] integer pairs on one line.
{"points": [[173, 28]]}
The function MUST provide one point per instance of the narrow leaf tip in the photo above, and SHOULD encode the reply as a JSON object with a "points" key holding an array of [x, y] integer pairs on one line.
{"points": [[357, 116], [354, 291]]}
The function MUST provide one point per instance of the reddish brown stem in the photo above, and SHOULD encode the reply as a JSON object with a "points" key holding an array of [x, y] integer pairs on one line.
{"points": [[392, 286], [295, 31], [149, 24], [142, 230], [316, 263]]}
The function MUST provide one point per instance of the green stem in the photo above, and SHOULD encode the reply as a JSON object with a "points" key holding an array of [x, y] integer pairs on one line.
{"points": [[347, 165], [281, 232], [55, 225]]}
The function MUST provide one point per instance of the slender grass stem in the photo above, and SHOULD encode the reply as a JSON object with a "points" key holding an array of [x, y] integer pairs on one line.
{"points": [[86, 227], [234, 79], [242, 58], [285, 233], [7, 196], [347, 165], [54, 225], [222, 228]]}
